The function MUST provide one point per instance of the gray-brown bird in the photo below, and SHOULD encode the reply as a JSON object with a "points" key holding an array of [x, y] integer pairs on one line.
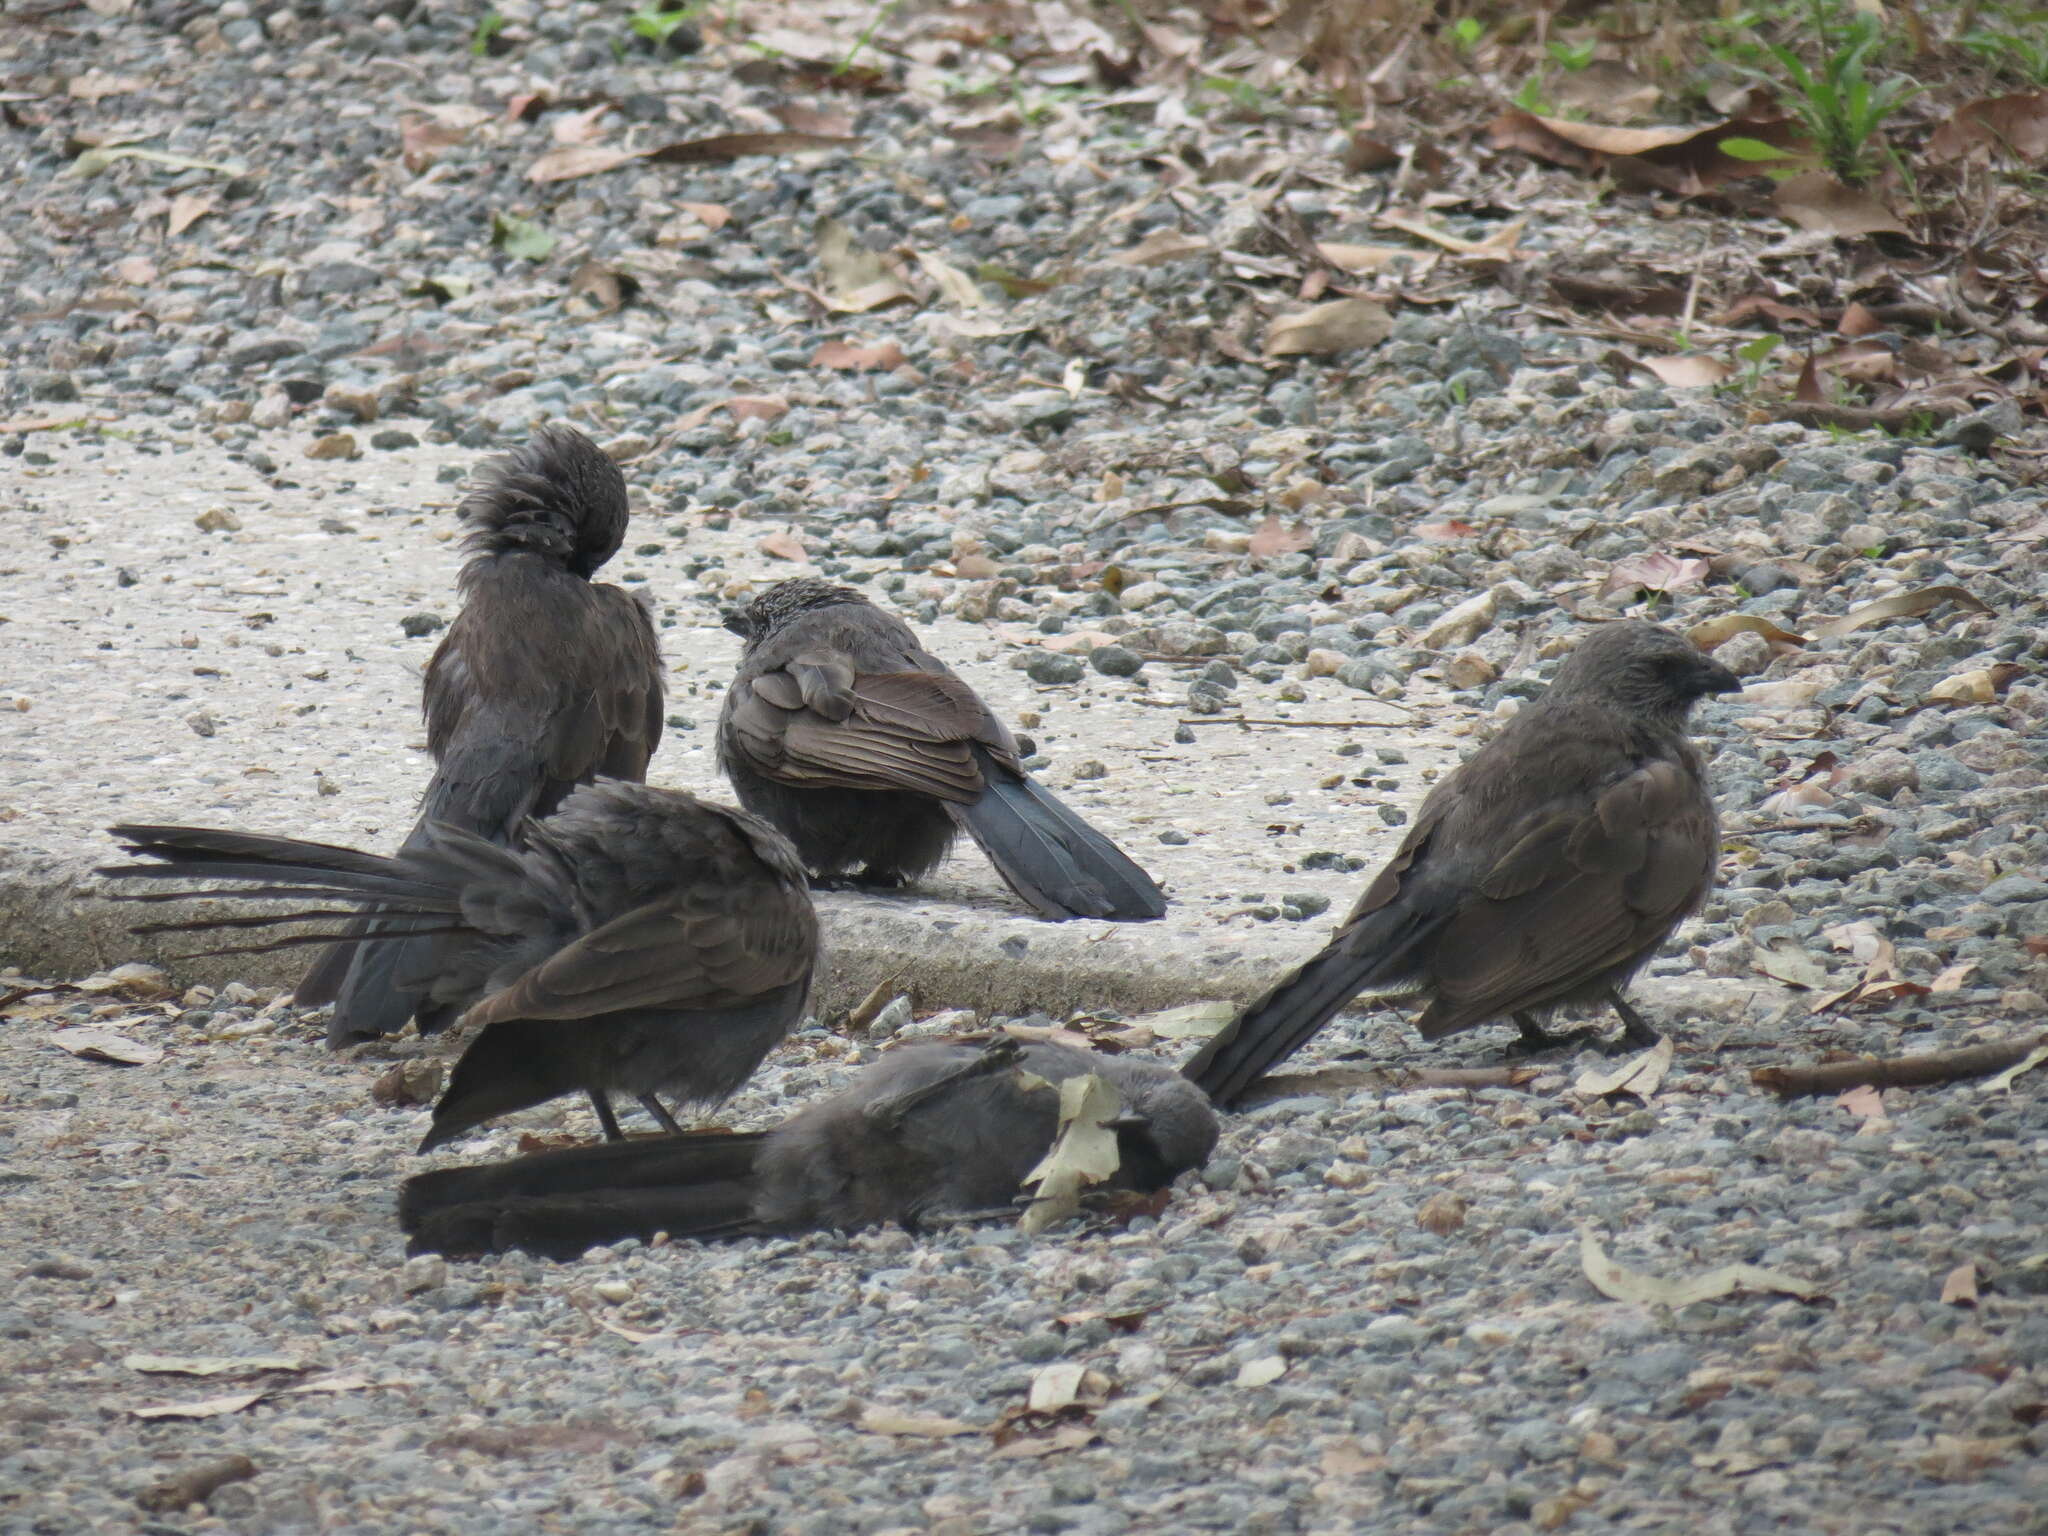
{"points": [[932, 1129], [862, 746], [1541, 874], [639, 941], [545, 680]]}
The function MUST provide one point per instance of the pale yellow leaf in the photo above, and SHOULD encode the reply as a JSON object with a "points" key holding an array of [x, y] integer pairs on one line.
{"points": [[1620, 1284], [1084, 1153], [1343, 325]]}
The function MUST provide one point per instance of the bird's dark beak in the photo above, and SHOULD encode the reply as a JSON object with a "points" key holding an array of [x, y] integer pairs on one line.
{"points": [[737, 621], [1715, 678]]}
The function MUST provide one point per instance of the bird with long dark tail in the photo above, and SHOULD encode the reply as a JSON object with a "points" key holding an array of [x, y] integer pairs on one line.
{"points": [[866, 749], [639, 941], [932, 1129], [1541, 874], [545, 680]]}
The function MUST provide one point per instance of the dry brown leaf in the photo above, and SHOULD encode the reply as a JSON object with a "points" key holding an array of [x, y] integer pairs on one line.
{"points": [[1447, 530], [1783, 960], [1772, 309], [565, 162], [1367, 258], [1900, 605], [1953, 977], [844, 357], [1064, 1384], [2005, 1079], [955, 286], [1655, 572], [1694, 371], [420, 136], [887, 1421], [1960, 1288], [1190, 1021], [1160, 247], [1640, 1075], [187, 209], [1442, 1213], [734, 146], [1644, 298], [1864, 1102], [783, 545], [92, 1044], [1272, 537], [1340, 326], [816, 121], [1619, 1284], [596, 289], [205, 1407], [756, 407], [713, 216], [1821, 205], [1857, 320], [856, 278], [1064, 1437], [1724, 627], [579, 127], [1605, 89], [213, 1365], [1686, 158], [2013, 127], [96, 85], [1499, 245]]}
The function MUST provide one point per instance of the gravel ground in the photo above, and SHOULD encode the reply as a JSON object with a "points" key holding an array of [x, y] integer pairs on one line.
{"points": [[1089, 466]]}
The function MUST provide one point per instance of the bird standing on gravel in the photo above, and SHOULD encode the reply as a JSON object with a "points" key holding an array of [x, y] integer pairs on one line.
{"points": [[1543, 873], [865, 749], [931, 1129], [545, 680], [638, 941]]}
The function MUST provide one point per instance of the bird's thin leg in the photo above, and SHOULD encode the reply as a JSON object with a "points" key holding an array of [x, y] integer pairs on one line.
{"points": [[659, 1110], [1633, 1024], [605, 1117], [889, 1114], [1536, 1038]]}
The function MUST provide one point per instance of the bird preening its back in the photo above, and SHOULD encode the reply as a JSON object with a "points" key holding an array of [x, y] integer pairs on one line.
{"points": [[842, 730], [544, 681], [1542, 873], [931, 1129], [639, 941]]}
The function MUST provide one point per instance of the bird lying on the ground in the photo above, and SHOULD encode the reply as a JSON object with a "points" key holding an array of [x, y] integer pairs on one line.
{"points": [[545, 680], [1543, 873], [639, 941], [864, 748], [930, 1130]]}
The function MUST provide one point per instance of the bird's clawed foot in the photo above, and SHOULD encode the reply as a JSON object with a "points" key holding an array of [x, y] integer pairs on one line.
{"points": [[1536, 1038], [870, 880]]}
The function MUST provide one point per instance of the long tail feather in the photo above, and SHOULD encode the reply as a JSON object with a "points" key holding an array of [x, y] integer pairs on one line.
{"points": [[558, 1204], [1052, 858], [1376, 953]]}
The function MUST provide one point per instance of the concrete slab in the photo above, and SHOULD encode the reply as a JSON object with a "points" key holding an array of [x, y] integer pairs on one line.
{"points": [[259, 676]]}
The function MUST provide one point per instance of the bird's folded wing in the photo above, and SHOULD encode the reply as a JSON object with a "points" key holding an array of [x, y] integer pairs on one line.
{"points": [[816, 724], [607, 715], [704, 946], [1582, 889]]}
